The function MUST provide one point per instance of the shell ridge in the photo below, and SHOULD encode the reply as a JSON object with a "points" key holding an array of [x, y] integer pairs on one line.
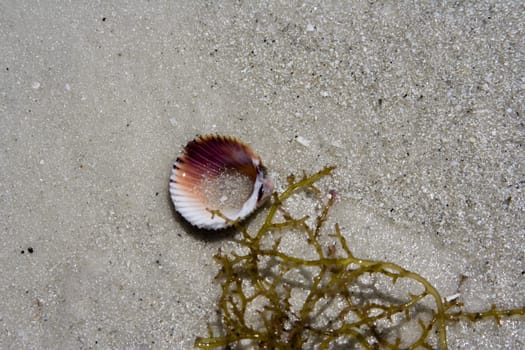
{"points": [[201, 161], [226, 147], [218, 154]]}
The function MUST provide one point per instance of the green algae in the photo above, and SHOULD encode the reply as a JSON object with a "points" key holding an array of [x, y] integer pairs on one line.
{"points": [[272, 298]]}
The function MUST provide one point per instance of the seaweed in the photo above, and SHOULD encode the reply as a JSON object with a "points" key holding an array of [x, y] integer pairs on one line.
{"points": [[272, 298]]}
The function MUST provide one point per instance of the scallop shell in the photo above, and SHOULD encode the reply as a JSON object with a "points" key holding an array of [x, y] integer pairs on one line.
{"points": [[218, 173]]}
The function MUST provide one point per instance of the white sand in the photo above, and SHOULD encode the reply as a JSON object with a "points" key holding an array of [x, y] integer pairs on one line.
{"points": [[420, 106]]}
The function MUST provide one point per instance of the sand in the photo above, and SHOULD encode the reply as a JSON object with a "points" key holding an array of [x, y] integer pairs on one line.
{"points": [[419, 105]]}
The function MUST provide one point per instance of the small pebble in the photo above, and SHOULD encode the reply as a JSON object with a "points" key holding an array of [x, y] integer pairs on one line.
{"points": [[452, 297], [303, 141]]}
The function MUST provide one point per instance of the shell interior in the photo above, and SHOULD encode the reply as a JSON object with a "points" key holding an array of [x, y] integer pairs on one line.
{"points": [[218, 173]]}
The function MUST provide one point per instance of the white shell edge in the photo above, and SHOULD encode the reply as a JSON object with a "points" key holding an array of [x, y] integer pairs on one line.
{"points": [[197, 214]]}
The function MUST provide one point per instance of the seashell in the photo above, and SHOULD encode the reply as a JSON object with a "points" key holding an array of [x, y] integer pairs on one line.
{"points": [[218, 173]]}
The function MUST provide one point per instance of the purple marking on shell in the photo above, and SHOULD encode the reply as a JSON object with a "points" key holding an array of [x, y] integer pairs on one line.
{"points": [[218, 173]]}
